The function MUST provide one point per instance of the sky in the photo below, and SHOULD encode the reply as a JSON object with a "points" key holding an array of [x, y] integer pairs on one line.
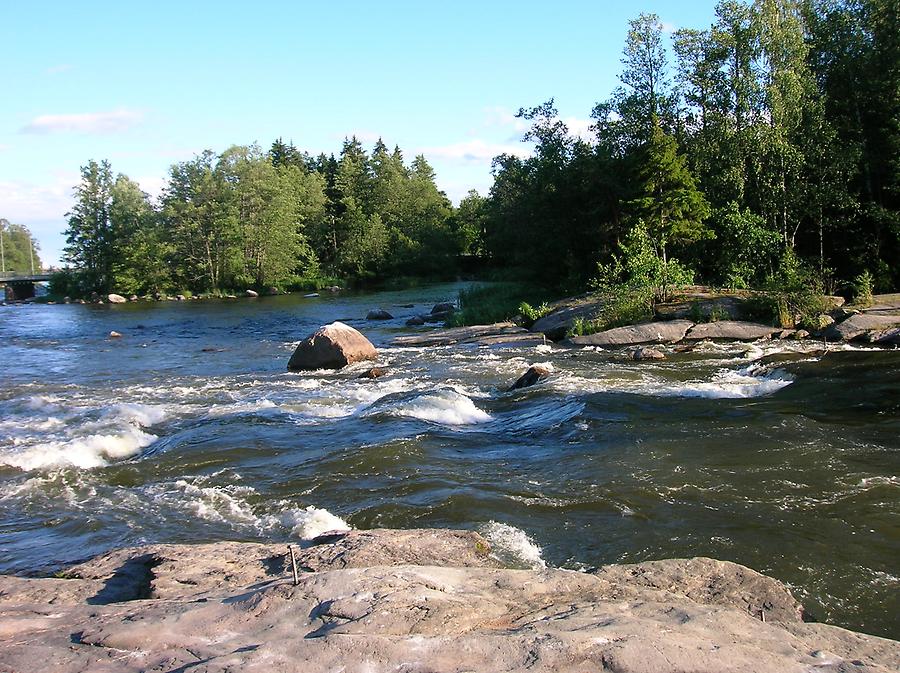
{"points": [[146, 85]]}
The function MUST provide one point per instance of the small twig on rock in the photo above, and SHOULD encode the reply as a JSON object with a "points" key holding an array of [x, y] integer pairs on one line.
{"points": [[294, 565]]}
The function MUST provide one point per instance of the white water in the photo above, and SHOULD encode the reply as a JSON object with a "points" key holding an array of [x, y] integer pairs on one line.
{"points": [[78, 438], [444, 406], [512, 545]]}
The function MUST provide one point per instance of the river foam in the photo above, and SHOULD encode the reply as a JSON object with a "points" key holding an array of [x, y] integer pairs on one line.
{"points": [[81, 438], [512, 545]]}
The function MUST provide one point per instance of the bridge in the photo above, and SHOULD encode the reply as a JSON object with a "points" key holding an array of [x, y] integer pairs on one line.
{"points": [[19, 285]]}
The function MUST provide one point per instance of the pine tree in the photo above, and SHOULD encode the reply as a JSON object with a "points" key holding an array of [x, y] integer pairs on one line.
{"points": [[669, 204]]}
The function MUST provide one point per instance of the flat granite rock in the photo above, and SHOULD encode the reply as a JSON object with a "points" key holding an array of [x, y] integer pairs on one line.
{"points": [[498, 334], [427, 618], [731, 330], [857, 326], [659, 332], [712, 582], [174, 571], [556, 324]]}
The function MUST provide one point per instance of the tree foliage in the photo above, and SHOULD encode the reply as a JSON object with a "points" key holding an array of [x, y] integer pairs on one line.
{"points": [[20, 250], [250, 218], [781, 141]]}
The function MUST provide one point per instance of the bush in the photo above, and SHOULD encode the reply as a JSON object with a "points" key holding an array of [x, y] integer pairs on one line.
{"points": [[68, 283], [633, 283], [495, 302], [531, 315], [794, 295], [863, 286]]}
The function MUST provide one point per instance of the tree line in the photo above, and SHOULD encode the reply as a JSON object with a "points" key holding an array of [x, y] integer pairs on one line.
{"points": [[761, 150], [770, 141], [252, 218]]}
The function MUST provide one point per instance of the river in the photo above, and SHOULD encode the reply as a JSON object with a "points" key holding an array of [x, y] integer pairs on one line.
{"points": [[190, 429]]}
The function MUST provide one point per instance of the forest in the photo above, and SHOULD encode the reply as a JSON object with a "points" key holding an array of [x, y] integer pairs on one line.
{"points": [[248, 218], [762, 149]]}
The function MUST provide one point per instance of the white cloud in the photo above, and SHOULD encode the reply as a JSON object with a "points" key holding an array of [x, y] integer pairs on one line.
{"points": [[152, 184], [580, 128], [500, 116], [25, 201], [668, 28], [41, 208], [89, 123], [57, 69], [475, 151]]}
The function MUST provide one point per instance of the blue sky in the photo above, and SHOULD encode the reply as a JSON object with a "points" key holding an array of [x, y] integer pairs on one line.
{"points": [[145, 85]]}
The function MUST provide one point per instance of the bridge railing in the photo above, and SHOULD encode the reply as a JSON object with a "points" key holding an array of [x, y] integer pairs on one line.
{"points": [[10, 275]]}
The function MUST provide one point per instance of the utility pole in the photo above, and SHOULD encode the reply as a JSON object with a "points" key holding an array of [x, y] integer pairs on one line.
{"points": [[2, 254]]}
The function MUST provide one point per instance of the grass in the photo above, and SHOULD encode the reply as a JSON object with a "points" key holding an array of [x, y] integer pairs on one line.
{"points": [[495, 302]]}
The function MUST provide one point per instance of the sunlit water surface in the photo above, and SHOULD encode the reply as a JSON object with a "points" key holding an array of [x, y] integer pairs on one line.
{"points": [[190, 429]]}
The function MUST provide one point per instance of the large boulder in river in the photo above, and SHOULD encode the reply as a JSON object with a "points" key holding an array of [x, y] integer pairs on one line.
{"points": [[443, 307], [644, 353], [332, 347], [659, 332], [116, 299], [535, 374]]}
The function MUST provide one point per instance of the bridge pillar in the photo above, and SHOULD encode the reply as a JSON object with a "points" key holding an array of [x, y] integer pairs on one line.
{"points": [[19, 290]]}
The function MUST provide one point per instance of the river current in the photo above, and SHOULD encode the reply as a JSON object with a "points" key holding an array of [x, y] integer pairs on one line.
{"points": [[190, 429]]}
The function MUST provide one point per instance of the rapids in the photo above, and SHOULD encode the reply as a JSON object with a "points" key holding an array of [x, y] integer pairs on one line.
{"points": [[189, 428]]}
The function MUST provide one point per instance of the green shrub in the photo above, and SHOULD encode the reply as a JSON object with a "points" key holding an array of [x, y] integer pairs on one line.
{"points": [[863, 286], [67, 283], [531, 315], [794, 295], [494, 302], [633, 283]]}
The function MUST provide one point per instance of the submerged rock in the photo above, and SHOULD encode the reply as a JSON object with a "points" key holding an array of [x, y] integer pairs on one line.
{"points": [[534, 374], [373, 373], [415, 321], [443, 307], [644, 353], [332, 347], [115, 335], [379, 314], [408, 601]]}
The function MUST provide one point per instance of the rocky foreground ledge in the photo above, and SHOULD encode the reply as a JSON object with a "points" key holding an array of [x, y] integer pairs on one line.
{"points": [[408, 601]]}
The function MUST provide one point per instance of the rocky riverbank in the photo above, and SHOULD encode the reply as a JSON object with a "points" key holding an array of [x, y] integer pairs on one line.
{"points": [[699, 317], [418, 600]]}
